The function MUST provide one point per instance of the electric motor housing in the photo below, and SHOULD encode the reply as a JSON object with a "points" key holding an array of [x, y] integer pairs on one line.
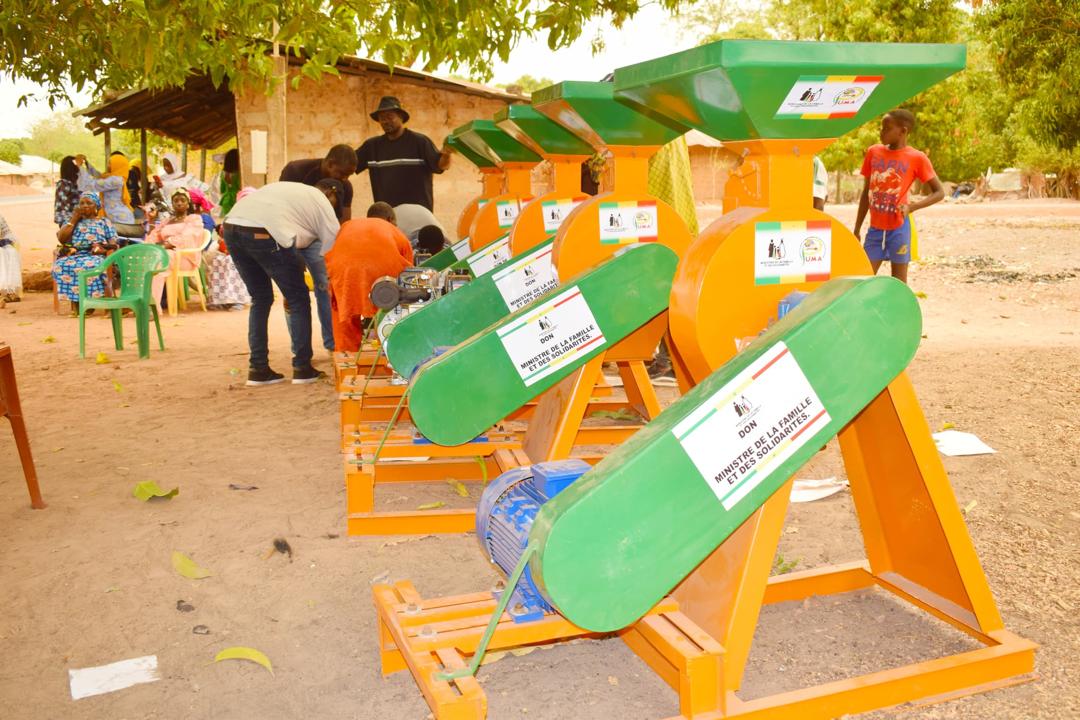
{"points": [[505, 516]]}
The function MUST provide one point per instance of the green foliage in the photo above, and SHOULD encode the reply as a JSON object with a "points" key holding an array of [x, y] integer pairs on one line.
{"points": [[1036, 49], [529, 84], [10, 150], [60, 134], [157, 43]]}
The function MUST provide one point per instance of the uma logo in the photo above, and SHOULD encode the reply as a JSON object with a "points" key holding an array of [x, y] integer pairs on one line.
{"points": [[849, 96], [642, 220], [812, 250]]}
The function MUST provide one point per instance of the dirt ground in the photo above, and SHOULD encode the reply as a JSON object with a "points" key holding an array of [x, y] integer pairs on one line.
{"points": [[88, 581]]}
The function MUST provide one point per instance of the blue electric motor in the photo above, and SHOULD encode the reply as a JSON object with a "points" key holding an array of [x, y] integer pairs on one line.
{"points": [[505, 516]]}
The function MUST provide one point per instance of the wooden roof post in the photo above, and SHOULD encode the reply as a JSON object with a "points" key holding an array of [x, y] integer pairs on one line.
{"points": [[277, 144], [108, 147], [202, 165], [145, 166]]}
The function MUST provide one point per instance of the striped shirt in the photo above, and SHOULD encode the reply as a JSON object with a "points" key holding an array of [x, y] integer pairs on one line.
{"points": [[400, 169]]}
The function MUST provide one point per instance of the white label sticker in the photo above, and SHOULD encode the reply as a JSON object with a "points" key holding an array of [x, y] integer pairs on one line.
{"points": [[551, 336], [489, 257], [555, 211], [827, 97], [461, 249], [527, 279], [507, 211], [632, 221], [792, 252], [751, 425]]}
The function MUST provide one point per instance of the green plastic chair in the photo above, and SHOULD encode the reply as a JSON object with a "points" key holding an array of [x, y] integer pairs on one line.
{"points": [[137, 264]]}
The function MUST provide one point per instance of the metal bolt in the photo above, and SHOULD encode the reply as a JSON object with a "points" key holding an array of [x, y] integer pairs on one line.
{"points": [[500, 585], [427, 632], [412, 609]]}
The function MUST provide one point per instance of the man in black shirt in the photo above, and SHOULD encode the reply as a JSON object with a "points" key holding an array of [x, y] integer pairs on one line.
{"points": [[339, 164], [400, 161]]}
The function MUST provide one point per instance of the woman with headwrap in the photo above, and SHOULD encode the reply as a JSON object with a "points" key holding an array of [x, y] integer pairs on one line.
{"points": [[67, 191], [84, 240], [183, 229], [134, 183], [112, 186], [10, 265], [174, 176]]}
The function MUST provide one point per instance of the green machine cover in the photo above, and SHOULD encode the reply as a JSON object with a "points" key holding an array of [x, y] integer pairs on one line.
{"points": [[611, 545], [461, 314], [462, 393]]}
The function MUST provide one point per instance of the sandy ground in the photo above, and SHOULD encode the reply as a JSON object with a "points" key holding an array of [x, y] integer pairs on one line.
{"points": [[88, 581]]}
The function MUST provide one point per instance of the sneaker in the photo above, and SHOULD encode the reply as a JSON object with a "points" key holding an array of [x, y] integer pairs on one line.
{"points": [[264, 376], [306, 376]]}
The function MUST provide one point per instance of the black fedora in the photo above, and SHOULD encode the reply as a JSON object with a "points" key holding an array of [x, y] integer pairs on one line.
{"points": [[389, 102]]}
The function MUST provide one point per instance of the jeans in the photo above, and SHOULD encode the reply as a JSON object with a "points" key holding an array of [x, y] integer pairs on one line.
{"points": [[259, 259], [313, 258]]}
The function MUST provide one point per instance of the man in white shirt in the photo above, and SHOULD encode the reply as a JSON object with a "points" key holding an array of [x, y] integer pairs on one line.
{"points": [[262, 233], [412, 217]]}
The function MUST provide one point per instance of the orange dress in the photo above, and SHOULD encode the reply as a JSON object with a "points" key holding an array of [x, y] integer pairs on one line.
{"points": [[364, 251]]}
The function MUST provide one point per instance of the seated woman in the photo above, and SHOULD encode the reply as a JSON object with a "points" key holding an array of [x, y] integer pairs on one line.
{"points": [[84, 241], [364, 251], [10, 265], [182, 229]]}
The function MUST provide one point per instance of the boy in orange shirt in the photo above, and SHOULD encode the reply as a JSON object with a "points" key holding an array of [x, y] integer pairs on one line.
{"points": [[889, 169]]}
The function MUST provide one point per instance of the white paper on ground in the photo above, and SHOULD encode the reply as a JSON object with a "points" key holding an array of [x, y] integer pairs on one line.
{"points": [[86, 682], [954, 443], [810, 490]]}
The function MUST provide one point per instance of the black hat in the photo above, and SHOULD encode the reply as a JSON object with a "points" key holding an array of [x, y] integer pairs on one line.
{"points": [[389, 102]]}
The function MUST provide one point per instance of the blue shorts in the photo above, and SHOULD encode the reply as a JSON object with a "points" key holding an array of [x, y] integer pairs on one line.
{"points": [[891, 245]]}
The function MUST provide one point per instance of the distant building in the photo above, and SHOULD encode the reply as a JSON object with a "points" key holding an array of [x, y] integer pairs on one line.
{"points": [[33, 172]]}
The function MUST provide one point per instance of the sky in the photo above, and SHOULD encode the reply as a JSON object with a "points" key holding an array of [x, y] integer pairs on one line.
{"points": [[648, 35]]}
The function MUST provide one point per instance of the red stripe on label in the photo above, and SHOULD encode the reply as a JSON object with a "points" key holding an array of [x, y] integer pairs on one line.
{"points": [[868, 78], [762, 370], [841, 116], [817, 277], [818, 224], [807, 425], [568, 299]]}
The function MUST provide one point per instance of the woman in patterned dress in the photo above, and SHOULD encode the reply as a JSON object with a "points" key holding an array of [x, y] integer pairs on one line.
{"points": [[84, 241]]}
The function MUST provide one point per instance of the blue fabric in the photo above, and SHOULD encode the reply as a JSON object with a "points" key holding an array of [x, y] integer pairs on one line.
{"points": [[260, 261], [65, 271], [312, 257], [891, 245]]}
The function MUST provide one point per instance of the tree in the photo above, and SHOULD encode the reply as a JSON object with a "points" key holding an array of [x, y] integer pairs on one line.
{"points": [[528, 84], [11, 150], [158, 43], [60, 134], [1036, 48]]}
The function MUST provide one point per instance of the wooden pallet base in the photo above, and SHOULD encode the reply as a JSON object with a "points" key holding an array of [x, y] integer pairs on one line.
{"points": [[428, 637]]}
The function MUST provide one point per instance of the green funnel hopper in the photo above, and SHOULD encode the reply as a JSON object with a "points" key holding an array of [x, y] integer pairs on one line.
{"points": [[468, 153], [538, 132], [766, 89], [487, 140], [590, 111]]}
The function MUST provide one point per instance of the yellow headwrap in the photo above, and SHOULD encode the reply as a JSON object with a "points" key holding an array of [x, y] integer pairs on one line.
{"points": [[120, 167]]}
